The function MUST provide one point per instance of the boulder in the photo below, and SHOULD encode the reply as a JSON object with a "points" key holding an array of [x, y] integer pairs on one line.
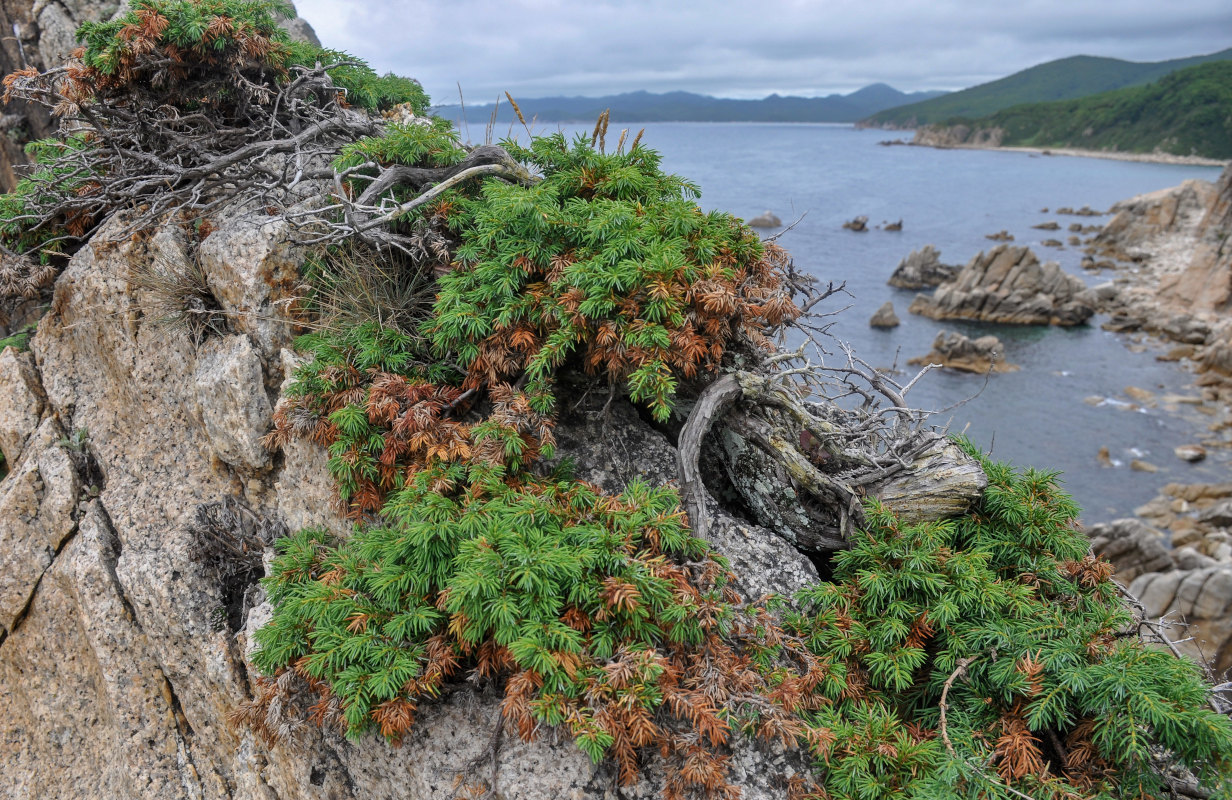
{"points": [[1001, 236], [1132, 546], [766, 219], [1196, 607], [1216, 356], [895, 226], [1047, 226], [922, 269], [884, 317], [1190, 452], [1218, 515], [230, 396], [859, 224], [956, 351], [1052, 243], [1009, 285]]}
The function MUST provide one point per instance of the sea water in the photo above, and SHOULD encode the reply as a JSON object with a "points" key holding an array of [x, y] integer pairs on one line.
{"points": [[819, 176]]}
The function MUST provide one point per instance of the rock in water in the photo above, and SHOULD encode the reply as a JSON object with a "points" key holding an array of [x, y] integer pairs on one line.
{"points": [[1190, 452], [1009, 285], [859, 224], [922, 270], [885, 317], [895, 226], [1047, 226], [956, 351], [766, 219], [1001, 236]]}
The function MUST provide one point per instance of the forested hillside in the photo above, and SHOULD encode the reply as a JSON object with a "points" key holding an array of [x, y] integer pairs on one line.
{"points": [[1064, 79], [1187, 113]]}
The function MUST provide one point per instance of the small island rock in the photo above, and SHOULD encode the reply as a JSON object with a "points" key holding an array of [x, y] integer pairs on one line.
{"points": [[1190, 452], [884, 317], [922, 270], [766, 220], [956, 351], [1009, 285], [859, 224]]}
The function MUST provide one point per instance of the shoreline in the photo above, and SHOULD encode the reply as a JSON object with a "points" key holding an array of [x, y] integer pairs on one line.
{"points": [[1075, 152]]}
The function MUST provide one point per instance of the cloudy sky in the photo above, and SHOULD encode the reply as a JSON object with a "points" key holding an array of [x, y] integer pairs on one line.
{"points": [[746, 49]]}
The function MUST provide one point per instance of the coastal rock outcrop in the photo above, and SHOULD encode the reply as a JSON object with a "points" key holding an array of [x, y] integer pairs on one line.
{"points": [[958, 136], [954, 350], [1196, 605], [1009, 285], [121, 653], [922, 269], [1140, 219], [1177, 559]]}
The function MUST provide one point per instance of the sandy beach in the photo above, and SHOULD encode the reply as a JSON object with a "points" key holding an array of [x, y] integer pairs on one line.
{"points": [[1153, 158]]}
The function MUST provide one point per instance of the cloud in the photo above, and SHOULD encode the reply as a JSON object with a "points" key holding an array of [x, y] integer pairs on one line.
{"points": [[742, 49]]}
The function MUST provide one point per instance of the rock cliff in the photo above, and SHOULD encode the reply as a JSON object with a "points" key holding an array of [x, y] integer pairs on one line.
{"points": [[957, 136]]}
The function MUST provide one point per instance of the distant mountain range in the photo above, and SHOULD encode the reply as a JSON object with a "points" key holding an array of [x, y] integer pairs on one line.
{"points": [[689, 107], [1064, 79]]}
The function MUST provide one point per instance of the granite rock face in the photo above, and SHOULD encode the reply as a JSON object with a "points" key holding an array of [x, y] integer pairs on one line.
{"points": [[922, 269], [21, 402], [1009, 285], [1197, 604], [1132, 546]]}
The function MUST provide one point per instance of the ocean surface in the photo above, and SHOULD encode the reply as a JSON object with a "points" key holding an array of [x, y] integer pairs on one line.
{"points": [[1041, 416]]}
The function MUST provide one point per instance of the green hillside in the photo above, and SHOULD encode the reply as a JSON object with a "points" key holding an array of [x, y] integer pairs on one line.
{"points": [[1185, 113], [1065, 79]]}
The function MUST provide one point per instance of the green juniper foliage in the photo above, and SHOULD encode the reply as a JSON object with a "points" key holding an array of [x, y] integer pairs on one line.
{"points": [[213, 30], [428, 145], [1053, 699], [986, 656], [607, 258], [19, 227], [586, 605]]}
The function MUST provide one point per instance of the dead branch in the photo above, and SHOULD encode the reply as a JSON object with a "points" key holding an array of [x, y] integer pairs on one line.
{"points": [[959, 672]]}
